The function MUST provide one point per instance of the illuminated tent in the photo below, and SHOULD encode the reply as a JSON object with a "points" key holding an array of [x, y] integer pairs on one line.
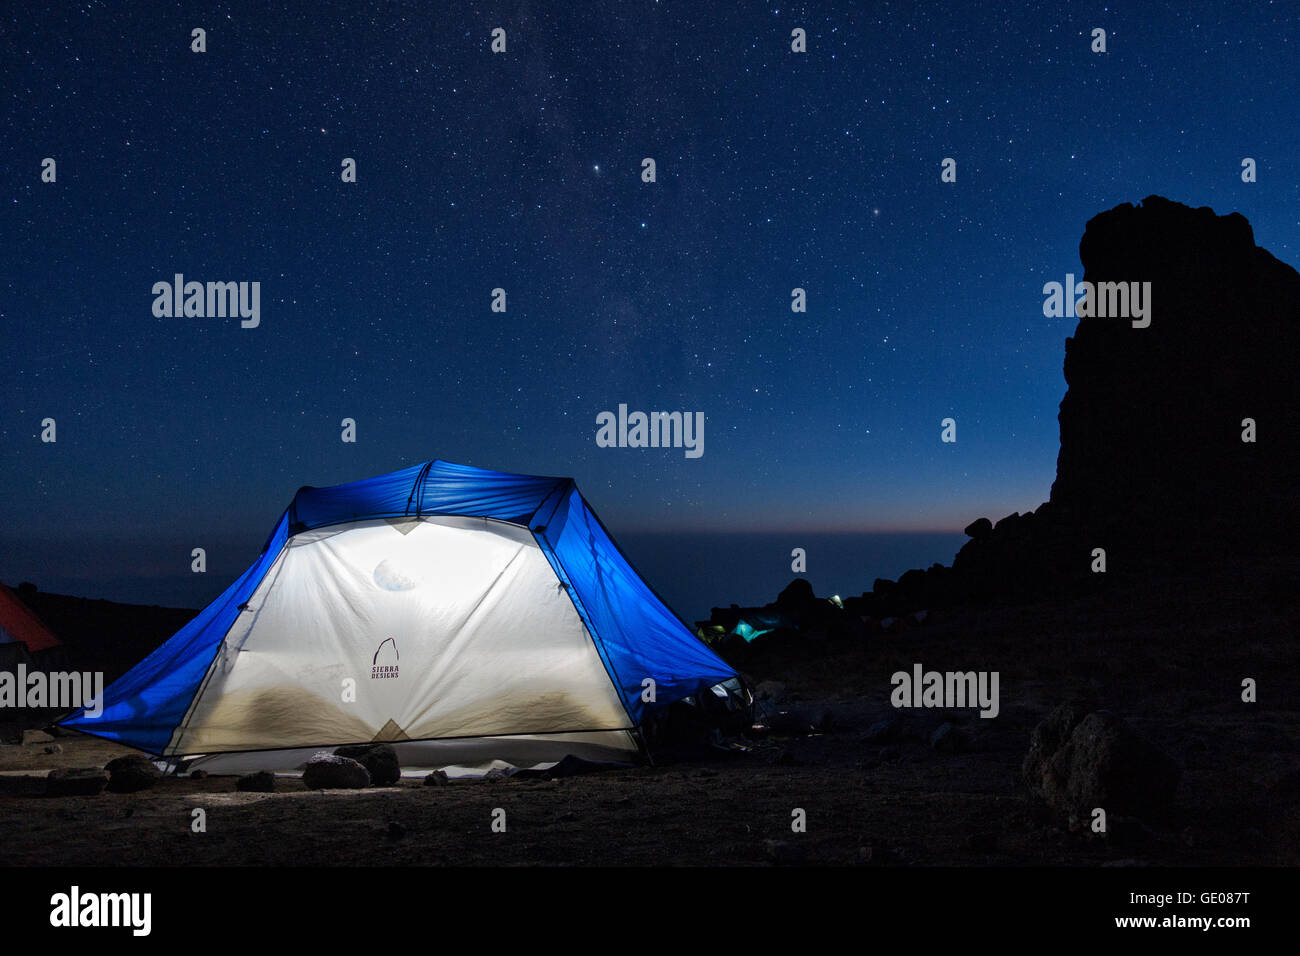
{"points": [[459, 614], [23, 638]]}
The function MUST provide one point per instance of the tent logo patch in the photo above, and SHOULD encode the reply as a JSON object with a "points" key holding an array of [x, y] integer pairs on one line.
{"points": [[390, 577], [383, 666]]}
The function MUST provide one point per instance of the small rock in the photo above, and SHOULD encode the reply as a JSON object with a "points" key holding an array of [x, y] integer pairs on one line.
{"points": [[327, 771], [261, 782], [131, 774], [75, 782], [436, 779], [52, 749]]}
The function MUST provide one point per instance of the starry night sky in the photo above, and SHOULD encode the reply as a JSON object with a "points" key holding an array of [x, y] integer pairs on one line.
{"points": [[521, 170]]}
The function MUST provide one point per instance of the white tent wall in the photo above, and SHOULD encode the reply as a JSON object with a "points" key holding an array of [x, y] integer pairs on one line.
{"points": [[482, 639]]}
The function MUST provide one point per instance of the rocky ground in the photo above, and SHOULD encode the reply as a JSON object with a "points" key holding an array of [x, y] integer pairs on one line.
{"points": [[1167, 660]]}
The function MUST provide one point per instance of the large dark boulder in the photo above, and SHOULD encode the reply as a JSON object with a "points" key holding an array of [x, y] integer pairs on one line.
{"points": [[1101, 763], [380, 761], [131, 774], [798, 594], [1050, 736], [1151, 447], [332, 772], [1152, 466]]}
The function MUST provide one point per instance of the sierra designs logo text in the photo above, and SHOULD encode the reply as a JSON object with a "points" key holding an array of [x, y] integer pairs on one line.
{"points": [[380, 666]]}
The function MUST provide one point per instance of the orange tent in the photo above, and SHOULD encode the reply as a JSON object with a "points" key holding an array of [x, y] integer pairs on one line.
{"points": [[19, 624]]}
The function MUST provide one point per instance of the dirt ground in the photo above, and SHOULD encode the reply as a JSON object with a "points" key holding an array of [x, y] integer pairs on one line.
{"points": [[1169, 662]]}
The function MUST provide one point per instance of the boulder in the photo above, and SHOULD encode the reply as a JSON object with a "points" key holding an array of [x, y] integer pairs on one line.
{"points": [[1103, 763], [75, 782], [1048, 737], [1007, 524], [1172, 499], [131, 774], [380, 761], [332, 772], [797, 595]]}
